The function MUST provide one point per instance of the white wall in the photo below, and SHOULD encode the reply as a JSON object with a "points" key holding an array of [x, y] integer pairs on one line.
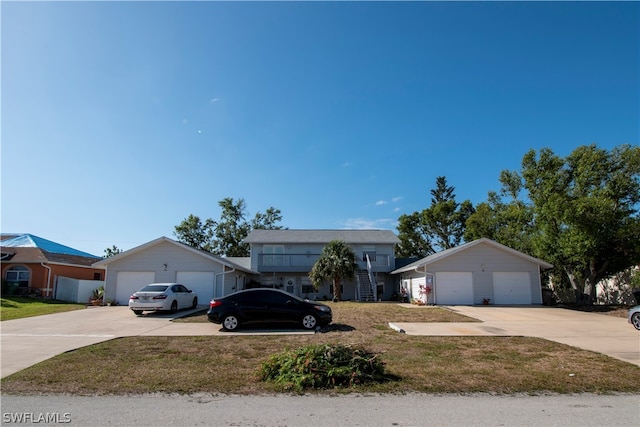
{"points": [[74, 290]]}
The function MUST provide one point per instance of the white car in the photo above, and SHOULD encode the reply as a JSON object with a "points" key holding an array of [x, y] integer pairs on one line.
{"points": [[634, 316], [162, 297]]}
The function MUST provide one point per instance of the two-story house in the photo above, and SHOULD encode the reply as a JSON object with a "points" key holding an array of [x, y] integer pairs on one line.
{"points": [[284, 259]]}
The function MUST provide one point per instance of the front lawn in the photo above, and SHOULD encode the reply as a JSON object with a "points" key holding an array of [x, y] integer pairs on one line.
{"points": [[14, 307], [231, 364]]}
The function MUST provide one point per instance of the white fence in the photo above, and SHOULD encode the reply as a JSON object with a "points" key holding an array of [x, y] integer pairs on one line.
{"points": [[74, 290]]}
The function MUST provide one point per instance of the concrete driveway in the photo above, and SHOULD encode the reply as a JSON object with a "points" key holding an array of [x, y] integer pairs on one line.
{"points": [[25, 342], [609, 335]]}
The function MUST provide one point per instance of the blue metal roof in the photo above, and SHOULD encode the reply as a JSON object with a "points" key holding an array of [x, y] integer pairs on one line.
{"points": [[31, 241]]}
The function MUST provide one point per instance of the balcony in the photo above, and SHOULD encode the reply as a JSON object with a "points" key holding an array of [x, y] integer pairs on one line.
{"points": [[302, 263]]}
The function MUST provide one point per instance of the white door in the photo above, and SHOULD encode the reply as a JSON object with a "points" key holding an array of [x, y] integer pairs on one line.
{"points": [[129, 282], [512, 288], [418, 285], [200, 282], [454, 288]]}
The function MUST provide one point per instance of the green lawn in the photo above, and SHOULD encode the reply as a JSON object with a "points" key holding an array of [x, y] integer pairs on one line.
{"points": [[13, 307]]}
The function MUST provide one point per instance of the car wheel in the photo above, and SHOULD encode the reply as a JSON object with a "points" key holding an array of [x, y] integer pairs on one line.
{"points": [[137, 312], [635, 320], [195, 302], [174, 306], [230, 322], [309, 321]]}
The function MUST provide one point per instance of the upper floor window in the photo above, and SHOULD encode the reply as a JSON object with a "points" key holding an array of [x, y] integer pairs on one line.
{"points": [[272, 255], [369, 251], [18, 274]]}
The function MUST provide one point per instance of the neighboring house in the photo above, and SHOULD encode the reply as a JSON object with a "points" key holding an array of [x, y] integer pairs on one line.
{"points": [[165, 260], [284, 259], [33, 265], [482, 271]]}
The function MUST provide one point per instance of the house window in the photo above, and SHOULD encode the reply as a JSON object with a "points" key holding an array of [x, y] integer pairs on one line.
{"points": [[97, 276], [18, 274], [371, 252], [272, 255], [307, 286]]}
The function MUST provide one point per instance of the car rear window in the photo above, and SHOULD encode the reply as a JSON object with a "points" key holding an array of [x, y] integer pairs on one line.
{"points": [[154, 288]]}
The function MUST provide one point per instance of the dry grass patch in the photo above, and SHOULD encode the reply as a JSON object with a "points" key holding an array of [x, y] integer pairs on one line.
{"points": [[231, 364]]}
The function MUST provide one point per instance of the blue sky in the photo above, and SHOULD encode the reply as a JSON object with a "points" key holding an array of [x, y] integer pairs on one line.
{"points": [[120, 119]]}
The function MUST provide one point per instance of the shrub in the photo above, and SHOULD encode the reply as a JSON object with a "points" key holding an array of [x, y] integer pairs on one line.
{"points": [[323, 366]]}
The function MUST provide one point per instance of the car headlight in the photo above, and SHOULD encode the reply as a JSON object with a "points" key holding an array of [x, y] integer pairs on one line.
{"points": [[322, 308]]}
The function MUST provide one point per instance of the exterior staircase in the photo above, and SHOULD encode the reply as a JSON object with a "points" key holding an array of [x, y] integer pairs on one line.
{"points": [[365, 287]]}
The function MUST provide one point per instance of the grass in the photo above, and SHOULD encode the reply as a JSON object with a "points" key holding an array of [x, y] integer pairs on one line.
{"points": [[15, 307], [231, 364]]}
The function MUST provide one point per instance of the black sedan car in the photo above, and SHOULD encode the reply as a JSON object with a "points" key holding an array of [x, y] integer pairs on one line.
{"points": [[267, 305]]}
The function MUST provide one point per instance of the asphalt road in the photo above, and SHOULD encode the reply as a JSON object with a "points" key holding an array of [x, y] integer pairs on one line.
{"points": [[306, 411]]}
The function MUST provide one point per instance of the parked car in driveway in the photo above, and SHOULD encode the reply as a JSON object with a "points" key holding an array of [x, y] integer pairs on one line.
{"points": [[162, 297], [634, 316], [267, 305]]}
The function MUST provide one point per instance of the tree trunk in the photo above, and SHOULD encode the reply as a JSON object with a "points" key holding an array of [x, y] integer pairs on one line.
{"points": [[337, 294], [576, 284]]}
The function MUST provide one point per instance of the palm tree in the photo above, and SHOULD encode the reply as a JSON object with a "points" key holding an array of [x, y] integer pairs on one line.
{"points": [[336, 262]]}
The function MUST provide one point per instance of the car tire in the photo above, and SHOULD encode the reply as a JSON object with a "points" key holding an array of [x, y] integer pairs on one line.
{"points": [[174, 306], [230, 322], [635, 320], [309, 321], [195, 302], [137, 312]]}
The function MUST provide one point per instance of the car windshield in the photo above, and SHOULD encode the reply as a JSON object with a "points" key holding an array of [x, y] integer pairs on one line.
{"points": [[154, 288]]}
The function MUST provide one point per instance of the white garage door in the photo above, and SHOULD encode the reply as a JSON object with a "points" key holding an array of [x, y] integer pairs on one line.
{"points": [[200, 282], [129, 282], [454, 288], [512, 288]]}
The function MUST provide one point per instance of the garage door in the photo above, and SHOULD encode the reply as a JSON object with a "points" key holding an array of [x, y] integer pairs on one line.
{"points": [[454, 289], [512, 288], [199, 282], [129, 282]]}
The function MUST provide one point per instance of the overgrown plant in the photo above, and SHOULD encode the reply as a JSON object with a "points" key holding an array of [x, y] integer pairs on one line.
{"points": [[323, 366]]}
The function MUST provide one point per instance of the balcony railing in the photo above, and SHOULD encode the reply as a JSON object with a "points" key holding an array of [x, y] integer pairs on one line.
{"points": [[304, 262]]}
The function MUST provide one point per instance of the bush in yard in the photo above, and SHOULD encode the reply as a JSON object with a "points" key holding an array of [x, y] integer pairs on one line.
{"points": [[323, 366]]}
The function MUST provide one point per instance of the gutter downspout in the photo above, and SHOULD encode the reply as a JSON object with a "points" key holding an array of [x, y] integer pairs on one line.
{"points": [[224, 272], [48, 276]]}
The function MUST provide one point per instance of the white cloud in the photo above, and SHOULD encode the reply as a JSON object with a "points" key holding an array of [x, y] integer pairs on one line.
{"points": [[368, 224], [396, 199], [381, 202], [214, 100]]}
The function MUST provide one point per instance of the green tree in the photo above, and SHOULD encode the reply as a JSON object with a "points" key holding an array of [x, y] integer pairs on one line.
{"points": [[585, 211], [225, 237], [232, 229], [336, 262], [509, 223], [438, 227], [193, 232], [113, 250]]}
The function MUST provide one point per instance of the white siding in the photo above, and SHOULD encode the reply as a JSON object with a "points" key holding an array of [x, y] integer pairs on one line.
{"points": [[482, 260], [154, 258]]}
